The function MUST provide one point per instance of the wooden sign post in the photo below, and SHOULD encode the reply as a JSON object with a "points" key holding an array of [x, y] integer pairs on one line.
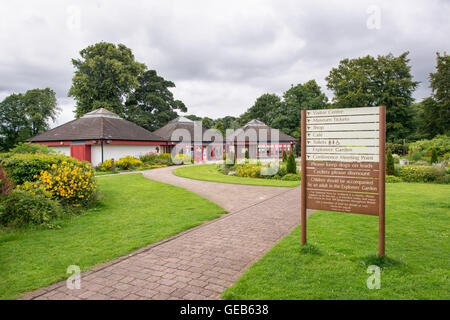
{"points": [[343, 163]]}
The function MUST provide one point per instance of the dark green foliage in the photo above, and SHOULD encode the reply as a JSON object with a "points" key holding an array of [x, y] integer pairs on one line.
{"points": [[434, 156], [284, 156], [152, 105], [26, 167], [21, 208], [291, 166], [421, 173], [390, 168], [25, 115], [31, 148], [434, 115], [246, 154], [385, 80]]}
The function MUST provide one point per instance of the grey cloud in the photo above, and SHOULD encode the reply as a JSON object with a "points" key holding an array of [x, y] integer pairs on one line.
{"points": [[221, 55]]}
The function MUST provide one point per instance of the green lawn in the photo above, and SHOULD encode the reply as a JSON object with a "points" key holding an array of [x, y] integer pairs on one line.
{"points": [[342, 245], [134, 212], [208, 172]]}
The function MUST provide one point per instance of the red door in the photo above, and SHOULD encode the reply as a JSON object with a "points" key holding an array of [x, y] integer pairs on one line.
{"points": [[81, 152]]}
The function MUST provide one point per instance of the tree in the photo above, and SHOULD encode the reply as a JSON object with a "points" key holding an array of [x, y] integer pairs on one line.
{"points": [[25, 115], [302, 96], [207, 123], [284, 156], [152, 104], [435, 110], [390, 167], [193, 117], [434, 156], [261, 109], [291, 166], [219, 127], [105, 76], [368, 81]]}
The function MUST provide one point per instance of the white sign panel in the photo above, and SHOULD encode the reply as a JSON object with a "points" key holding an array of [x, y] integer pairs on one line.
{"points": [[342, 127], [342, 142], [341, 150], [342, 112], [342, 157], [343, 134], [343, 119]]}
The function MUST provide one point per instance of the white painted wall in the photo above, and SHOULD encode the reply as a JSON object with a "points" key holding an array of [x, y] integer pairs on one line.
{"points": [[63, 149], [119, 151]]}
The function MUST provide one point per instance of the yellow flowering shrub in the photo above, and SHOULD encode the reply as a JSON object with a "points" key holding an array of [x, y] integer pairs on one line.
{"points": [[129, 162], [68, 182]]}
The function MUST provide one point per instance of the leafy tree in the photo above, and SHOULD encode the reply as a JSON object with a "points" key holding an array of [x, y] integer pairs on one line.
{"points": [[219, 127], [193, 117], [291, 166], [434, 156], [368, 81], [302, 96], [390, 168], [261, 109], [207, 123], [25, 115], [435, 110], [229, 122], [105, 76], [152, 104]]}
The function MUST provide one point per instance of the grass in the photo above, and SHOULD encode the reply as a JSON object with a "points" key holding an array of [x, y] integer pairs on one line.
{"points": [[333, 265], [133, 212], [208, 172]]}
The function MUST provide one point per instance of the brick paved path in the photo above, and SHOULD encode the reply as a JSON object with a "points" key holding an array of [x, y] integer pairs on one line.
{"points": [[199, 263]]}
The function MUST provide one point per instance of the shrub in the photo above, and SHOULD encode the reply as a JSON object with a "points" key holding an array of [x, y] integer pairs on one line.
{"points": [[392, 179], [390, 169], [420, 173], [21, 208], [129, 162], [291, 177], [248, 170], [440, 142], [416, 156], [434, 156], [282, 171], [291, 166], [31, 148], [70, 183], [27, 167], [182, 159], [149, 157], [6, 185], [284, 156], [246, 154]]}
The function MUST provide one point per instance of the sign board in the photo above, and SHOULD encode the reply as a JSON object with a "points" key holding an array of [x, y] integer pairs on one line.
{"points": [[342, 163]]}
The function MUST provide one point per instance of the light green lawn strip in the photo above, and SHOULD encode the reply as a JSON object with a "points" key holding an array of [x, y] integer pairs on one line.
{"points": [[417, 239], [208, 172], [133, 213]]}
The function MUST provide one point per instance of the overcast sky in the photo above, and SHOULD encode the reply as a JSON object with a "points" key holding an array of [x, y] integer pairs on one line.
{"points": [[221, 55]]}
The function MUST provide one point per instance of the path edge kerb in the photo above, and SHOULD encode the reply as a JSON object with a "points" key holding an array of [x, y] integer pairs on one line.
{"points": [[38, 292]]}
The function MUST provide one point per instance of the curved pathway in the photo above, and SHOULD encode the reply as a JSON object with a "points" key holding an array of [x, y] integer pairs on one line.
{"points": [[199, 263]]}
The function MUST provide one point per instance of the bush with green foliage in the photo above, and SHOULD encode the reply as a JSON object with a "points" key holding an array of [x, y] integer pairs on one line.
{"points": [[21, 208], [6, 185], [291, 177], [248, 170], [26, 167], [129, 162], [284, 156], [416, 155], [390, 168], [434, 156], [26, 147], [291, 166], [441, 143], [246, 154], [421, 173], [392, 179]]}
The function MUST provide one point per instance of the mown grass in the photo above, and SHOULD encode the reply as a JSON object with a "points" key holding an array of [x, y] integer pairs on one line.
{"points": [[133, 212], [208, 172], [341, 246]]}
